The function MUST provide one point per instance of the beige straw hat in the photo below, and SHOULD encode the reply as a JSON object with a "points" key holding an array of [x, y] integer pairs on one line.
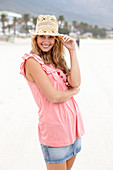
{"points": [[46, 25]]}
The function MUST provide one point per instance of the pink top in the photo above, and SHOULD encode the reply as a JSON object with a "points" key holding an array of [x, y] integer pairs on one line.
{"points": [[59, 123]]}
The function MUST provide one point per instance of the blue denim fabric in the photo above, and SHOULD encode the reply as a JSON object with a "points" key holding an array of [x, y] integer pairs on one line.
{"points": [[56, 155]]}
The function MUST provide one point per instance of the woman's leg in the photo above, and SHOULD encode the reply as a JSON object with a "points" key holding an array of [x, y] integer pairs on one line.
{"points": [[70, 162], [61, 166]]}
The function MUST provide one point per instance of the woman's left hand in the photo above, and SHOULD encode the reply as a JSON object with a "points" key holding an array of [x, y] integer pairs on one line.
{"points": [[68, 42]]}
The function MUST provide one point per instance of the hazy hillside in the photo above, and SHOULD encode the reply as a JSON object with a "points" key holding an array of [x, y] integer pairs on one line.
{"points": [[98, 12]]}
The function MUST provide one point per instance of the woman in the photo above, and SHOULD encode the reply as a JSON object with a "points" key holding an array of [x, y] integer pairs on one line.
{"points": [[53, 86]]}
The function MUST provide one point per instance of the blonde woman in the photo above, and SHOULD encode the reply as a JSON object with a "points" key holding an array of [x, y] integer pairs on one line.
{"points": [[53, 86]]}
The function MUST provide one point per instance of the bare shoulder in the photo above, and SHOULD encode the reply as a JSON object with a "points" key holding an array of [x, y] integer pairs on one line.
{"points": [[30, 65], [34, 70]]}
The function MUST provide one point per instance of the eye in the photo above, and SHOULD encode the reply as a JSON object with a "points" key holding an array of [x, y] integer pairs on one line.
{"points": [[42, 36], [51, 37]]}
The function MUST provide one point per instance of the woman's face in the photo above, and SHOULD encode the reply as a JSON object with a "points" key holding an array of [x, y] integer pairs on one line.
{"points": [[45, 42]]}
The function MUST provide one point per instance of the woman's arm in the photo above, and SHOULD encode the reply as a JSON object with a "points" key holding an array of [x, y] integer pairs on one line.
{"points": [[74, 78], [45, 85]]}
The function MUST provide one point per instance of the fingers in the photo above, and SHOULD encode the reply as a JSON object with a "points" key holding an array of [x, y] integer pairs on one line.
{"points": [[67, 38], [75, 88]]}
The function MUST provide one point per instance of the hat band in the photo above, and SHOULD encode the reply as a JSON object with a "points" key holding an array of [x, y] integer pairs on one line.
{"points": [[47, 23], [46, 29]]}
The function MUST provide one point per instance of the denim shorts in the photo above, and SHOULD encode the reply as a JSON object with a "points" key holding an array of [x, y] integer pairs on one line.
{"points": [[56, 155]]}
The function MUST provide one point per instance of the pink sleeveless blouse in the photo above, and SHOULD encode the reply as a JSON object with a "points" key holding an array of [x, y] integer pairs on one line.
{"points": [[59, 123]]}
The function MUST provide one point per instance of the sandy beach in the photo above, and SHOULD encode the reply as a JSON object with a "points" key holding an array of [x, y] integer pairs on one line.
{"points": [[19, 143]]}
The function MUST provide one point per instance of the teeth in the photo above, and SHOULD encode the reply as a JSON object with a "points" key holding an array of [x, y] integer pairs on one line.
{"points": [[45, 46]]}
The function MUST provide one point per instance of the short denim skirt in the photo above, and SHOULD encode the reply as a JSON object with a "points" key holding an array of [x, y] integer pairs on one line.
{"points": [[56, 155]]}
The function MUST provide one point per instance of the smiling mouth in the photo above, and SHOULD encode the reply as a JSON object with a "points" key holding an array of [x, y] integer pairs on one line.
{"points": [[45, 46]]}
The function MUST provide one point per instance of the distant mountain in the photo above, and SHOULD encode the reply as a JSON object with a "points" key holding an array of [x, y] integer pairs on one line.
{"points": [[94, 12]]}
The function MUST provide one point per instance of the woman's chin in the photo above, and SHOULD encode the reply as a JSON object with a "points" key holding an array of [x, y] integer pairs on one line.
{"points": [[45, 51]]}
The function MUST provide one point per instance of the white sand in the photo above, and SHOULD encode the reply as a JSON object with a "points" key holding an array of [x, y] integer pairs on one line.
{"points": [[19, 144]]}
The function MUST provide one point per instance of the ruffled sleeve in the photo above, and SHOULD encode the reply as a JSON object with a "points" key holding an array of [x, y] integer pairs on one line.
{"points": [[46, 68]]}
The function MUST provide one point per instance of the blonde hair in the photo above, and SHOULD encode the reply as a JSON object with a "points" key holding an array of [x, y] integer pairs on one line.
{"points": [[55, 56]]}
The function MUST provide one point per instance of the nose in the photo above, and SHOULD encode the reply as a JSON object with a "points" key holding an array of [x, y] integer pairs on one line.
{"points": [[46, 38]]}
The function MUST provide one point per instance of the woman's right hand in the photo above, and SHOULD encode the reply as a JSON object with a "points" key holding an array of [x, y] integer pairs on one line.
{"points": [[75, 90]]}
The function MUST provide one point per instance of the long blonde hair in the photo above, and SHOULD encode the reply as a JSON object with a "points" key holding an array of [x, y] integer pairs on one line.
{"points": [[55, 56]]}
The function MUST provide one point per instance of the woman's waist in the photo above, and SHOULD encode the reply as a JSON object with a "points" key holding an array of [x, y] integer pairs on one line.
{"points": [[50, 106], [58, 110]]}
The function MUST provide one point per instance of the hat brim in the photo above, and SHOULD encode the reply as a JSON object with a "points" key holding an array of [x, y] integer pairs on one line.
{"points": [[52, 34]]}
